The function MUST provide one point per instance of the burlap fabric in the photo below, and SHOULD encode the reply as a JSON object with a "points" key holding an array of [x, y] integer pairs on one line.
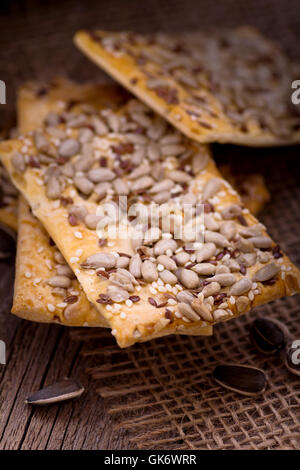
{"points": [[162, 392]]}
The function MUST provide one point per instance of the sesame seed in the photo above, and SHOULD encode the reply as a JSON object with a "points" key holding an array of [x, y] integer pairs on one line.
{"points": [[162, 289], [111, 244], [232, 300], [117, 307], [50, 307], [154, 284], [160, 282], [251, 296], [28, 274], [160, 267], [114, 331], [172, 302], [78, 234], [129, 303], [40, 249], [48, 264], [78, 252], [37, 280], [138, 288], [109, 307], [61, 305], [167, 236], [152, 290], [123, 315], [74, 259]]}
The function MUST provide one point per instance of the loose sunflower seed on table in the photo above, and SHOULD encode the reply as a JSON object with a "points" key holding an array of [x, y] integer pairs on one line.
{"points": [[64, 390], [176, 284], [292, 357], [269, 336], [246, 380]]}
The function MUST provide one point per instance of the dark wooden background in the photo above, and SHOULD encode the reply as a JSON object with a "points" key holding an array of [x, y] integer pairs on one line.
{"points": [[36, 43]]}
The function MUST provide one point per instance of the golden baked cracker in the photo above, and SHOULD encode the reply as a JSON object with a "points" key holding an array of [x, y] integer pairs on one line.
{"points": [[8, 197], [230, 86], [120, 143], [251, 187], [34, 298]]}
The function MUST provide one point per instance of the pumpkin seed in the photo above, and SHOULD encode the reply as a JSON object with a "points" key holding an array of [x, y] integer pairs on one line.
{"points": [[269, 336], [245, 380], [67, 389]]}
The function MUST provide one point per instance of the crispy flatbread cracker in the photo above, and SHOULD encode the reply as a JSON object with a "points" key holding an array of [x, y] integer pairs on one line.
{"points": [[230, 86], [246, 267], [34, 298], [8, 197], [33, 106]]}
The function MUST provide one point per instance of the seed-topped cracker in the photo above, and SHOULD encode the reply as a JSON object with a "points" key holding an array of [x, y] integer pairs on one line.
{"points": [[74, 172], [41, 270], [228, 86]]}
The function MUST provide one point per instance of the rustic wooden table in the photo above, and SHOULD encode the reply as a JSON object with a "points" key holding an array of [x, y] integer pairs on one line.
{"points": [[36, 43]]}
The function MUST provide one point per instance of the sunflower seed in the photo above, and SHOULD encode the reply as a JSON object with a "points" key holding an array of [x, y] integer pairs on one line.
{"points": [[231, 211], [179, 176], [153, 151], [135, 266], [245, 380], [185, 296], [84, 163], [121, 187], [100, 260], [261, 242], [182, 258], [253, 231], [167, 277], [99, 175], [164, 245], [202, 310], [187, 311], [122, 281], [149, 271], [57, 392], [207, 251], [241, 287], [122, 262], [67, 169], [226, 279], [92, 220], [18, 162], [211, 188], [53, 188], [292, 357], [164, 185], [245, 245], [167, 262], [152, 235], [68, 148], [211, 289], [84, 185], [199, 162], [188, 278], [59, 281], [247, 259], [266, 273], [172, 149], [204, 269], [80, 212], [242, 304], [220, 314], [160, 198], [142, 183], [216, 238], [99, 126], [52, 119], [40, 142], [142, 170], [228, 229], [65, 270], [116, 294], [85, 135], [211, 223], [101, 189], [269, 336]]}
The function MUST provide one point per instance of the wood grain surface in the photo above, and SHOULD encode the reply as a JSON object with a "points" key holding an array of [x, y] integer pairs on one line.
{"points": [[36, 43]]}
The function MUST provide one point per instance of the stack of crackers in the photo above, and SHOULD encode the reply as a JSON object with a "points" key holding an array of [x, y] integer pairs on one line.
{"points": [[124, 220]]}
